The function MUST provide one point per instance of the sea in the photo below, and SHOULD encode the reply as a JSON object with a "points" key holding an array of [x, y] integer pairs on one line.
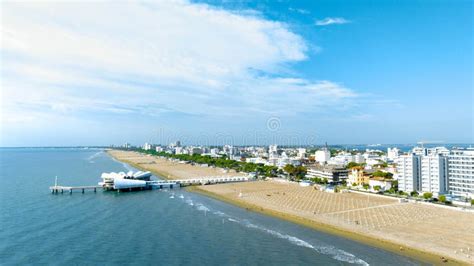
{"points": [[155, 227]]}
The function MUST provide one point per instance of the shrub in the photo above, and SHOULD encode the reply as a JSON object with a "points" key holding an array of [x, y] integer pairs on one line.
{"points": [[427, 195], [442, 198]]}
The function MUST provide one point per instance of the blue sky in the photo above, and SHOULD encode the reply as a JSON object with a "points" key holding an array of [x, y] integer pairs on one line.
{"points": [[239, 72]]}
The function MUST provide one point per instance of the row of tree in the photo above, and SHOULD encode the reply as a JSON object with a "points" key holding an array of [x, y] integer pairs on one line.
{"points": [[222, 162]]}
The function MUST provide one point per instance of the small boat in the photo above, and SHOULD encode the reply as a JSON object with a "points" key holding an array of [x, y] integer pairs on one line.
{"points": [[181, 196], [172, 196]]}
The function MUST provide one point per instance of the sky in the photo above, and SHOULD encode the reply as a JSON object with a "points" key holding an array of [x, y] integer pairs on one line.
{"points": [[236, 72]]}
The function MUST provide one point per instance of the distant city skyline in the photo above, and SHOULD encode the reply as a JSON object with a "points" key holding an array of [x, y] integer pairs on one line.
{"points": [[291, 73]]}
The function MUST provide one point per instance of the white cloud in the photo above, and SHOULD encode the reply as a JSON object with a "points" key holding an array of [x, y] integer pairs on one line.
{"points": [[165, 57], [330, 21], [299, 10]]}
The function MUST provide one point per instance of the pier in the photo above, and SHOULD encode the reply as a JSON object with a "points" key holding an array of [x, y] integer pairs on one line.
{"points": [[61, 189], [155, 184]]}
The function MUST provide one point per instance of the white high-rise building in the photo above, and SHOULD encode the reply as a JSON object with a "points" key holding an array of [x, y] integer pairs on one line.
{"points": [[392, 153], [461, 172], [214, 152], [408, 172], [147, 146], [228, 149], [322, 156], [178, 150], [434, 174], [432, 170], [358, 158], [272, 149], [301, 153], [430, 151]]}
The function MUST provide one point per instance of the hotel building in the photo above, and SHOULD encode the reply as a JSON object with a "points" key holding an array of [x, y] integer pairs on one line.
{"points": [[461, 173], [334, 174], [434, 174], [408, 172]]}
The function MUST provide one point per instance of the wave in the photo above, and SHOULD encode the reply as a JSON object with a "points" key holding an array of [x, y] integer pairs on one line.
{"points": [[190, 202], [219, 213], [232, 220], [126, 166], [201, 207], [91, 158], [335, 253]]}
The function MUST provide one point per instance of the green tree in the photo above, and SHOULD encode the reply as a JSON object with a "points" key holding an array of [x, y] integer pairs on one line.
{"points": [[395, 185], [442, 198], [289, 169], [319, 180], [414, 194], [427, 195], [366, 186], [300, 172], [472, 202], [377, 188], [295, 172], [352, 165], [343, 183], [379, 173], [354, 184]]}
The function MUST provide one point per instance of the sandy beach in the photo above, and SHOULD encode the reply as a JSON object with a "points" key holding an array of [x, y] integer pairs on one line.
{"points": [[413, 229], [166, 168]]}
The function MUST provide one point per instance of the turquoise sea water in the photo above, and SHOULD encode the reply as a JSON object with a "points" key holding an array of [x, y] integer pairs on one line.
{"points": [[145, 228]]}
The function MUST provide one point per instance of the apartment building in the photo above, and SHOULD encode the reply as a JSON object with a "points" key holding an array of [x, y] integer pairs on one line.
{"points": [[434, 174], [408, 172], [461, 173]]}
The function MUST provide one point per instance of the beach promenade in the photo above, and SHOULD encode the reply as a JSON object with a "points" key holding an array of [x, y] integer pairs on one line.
{"points": [[413, 229]]}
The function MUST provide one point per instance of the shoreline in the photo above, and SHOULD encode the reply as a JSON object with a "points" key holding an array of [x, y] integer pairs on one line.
{"points": [[423, 256], [391, 246]]}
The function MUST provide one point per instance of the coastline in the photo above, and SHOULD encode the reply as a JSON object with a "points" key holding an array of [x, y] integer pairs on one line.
{"points": [[391, 246], [423, 256]]}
